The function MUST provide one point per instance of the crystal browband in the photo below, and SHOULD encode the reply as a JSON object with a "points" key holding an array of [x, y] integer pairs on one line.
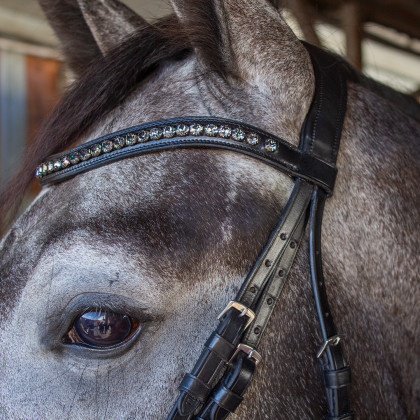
{"points": [[191, 132]]}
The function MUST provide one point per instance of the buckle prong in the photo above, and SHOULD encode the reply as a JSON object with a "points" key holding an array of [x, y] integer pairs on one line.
{"points": [[249, 351], [332, 341], [242, 308]]}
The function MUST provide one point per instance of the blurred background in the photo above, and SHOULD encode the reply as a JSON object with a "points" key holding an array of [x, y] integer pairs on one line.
{"points": [[379, 37]]}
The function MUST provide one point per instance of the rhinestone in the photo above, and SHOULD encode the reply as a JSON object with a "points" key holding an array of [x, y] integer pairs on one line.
{"points": [[155, 134], [119, 142], [238, 134], [50, 167], [270, 145], [57, 165], [211, 130], [39, 172], [130, 139], [143, 136], [182, 130], [95, 150], [168, 132], [107, 146], [225, 131], [85, 154], [196, 129], [74, 158], [65, 161], [252, 139], [44, 168]]}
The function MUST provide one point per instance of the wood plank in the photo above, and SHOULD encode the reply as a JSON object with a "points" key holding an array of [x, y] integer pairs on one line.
{"points": [[42, 79], [352, 23]]}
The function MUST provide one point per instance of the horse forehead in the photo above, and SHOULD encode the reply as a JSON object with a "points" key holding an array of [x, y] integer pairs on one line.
{"points": [[177, 207]]}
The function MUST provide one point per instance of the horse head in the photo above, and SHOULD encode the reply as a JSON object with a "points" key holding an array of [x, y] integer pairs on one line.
{"points": [[162, 241]]}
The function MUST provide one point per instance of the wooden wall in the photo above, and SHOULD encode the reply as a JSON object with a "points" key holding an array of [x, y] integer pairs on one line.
{"points": [[29, 89]]}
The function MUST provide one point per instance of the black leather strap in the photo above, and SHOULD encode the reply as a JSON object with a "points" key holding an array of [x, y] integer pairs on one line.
{"points": [[286, 158], [321, 135]]}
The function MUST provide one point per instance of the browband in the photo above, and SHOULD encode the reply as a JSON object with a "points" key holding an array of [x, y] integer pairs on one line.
{"points": [[189, 132], [224, 370]]}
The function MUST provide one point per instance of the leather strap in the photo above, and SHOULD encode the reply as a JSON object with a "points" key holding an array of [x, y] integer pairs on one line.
{"points": [[286, 158]]}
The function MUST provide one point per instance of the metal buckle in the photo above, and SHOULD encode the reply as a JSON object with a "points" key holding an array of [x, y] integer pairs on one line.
{"points": [[334, 340], [249, 351], [242, 308]]}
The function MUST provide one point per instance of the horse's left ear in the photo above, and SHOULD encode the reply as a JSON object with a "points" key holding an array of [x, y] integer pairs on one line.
{"points": [[248, 39], [88, 29]]}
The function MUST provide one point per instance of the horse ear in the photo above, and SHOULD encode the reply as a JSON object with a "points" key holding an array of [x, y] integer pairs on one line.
{"points": [[88, 29], [253, 42]]}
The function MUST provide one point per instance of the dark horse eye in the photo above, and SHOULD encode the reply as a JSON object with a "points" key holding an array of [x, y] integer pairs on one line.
{"points": [[101, 329]]}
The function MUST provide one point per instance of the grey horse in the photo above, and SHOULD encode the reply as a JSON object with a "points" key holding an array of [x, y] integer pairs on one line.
{"points": [[166, 239]]}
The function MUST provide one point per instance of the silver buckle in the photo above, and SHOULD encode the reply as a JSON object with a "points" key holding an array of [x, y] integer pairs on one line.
{"points": [[249, 351], [242, 308], [333, 341]]}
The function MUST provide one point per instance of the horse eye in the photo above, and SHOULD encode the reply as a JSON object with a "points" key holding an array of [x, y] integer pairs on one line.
{"points": [[101, 329]]}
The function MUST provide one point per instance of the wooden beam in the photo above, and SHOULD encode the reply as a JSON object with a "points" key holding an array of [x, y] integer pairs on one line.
{"points": [[301, 11], [351, 18]]}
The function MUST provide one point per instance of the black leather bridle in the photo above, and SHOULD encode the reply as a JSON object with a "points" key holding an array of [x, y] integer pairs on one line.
{"points": [[224, 370]]}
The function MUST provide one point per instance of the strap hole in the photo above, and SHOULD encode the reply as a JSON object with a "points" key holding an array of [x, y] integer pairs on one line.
{"points": [[252, 289], [267, 263], [281, 273], [257, 330], [292, 244], [269, 301], [283, 236]]}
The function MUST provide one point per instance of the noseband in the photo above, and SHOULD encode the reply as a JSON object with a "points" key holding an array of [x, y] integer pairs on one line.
{"points": [[224, 370]]}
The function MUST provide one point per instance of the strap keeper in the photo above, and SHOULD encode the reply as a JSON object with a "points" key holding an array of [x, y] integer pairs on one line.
{"points": [[335, 379], [347, 416], [195, 387], [226, 398], [219, 345]]}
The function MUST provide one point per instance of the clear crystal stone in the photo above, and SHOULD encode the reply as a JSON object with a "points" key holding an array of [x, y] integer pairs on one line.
{"points": [[155, 134], [225, 131], [130, 139], [238, 134], [65, 161], [168, 132], [107, 146], [270, 145], [182, 130], [44, 168], [196, 129], [85, 154], [74, 158], [119, 142], [143, 136], [95, 150], [57, 165], [211, 130], [39, 172], [252, 139], [50, 166]]}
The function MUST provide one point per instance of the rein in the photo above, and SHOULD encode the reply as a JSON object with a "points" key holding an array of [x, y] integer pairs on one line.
{"points": [[224, 370]]}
